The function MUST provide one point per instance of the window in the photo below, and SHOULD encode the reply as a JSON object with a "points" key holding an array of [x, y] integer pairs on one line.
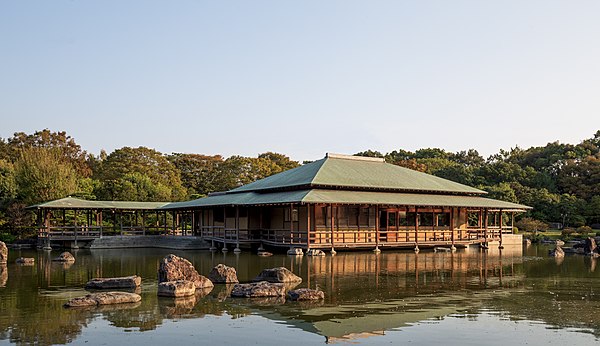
{"points": [[391, 219], [353, 216], [321, 216], [342, 216], [402, 218], [218, 215], [286, 215], [443, 219], [473, 219], [410, 219], [363, 218], [425, 219]]}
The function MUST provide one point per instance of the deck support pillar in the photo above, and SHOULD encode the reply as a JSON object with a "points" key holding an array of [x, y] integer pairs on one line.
{"points": [[500, 224], [452, 248], [212, 246], [417, 229], [376, 250]]}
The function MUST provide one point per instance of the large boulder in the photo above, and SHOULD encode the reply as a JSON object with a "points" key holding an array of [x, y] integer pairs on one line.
{"points": [[560, 242], [173, 268], [557, 252], [590, 245], [222, 274], [104, 298], [65, 257], [112, 283], [280, 274], [179, 288], [305, 294], [258, 289], [3, 253]]}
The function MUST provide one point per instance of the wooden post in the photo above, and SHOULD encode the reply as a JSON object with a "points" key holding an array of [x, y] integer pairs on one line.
{"points": [[237, 230], [308, 227], [291, 224], [416, 229], [453, 248], [75, 223], [485, 229], [332, 230], [100, 222], [377, 217], [500, 224]]}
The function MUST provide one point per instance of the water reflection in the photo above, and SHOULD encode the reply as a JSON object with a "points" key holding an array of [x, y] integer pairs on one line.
{"points": [[366, 294]]}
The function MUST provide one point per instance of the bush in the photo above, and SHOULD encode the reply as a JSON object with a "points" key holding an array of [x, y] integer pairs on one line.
{"points": [[7, 237], [528, 224], [567, 232], [584, 230], [515, 230]]}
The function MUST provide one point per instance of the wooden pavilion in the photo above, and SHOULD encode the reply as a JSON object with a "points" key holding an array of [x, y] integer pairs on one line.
{"points": [[351, 202]]}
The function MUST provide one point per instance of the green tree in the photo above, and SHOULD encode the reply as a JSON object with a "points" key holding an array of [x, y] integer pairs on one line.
{"points": [[42, 175], [119, 168], [59, 142], [200, 174]]}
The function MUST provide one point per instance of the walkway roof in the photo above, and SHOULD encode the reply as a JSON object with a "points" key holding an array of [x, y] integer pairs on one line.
{"points": [[77, 203]]}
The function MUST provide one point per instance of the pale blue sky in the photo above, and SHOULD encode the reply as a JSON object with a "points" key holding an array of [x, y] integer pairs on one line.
{"points": [[304, 77]]}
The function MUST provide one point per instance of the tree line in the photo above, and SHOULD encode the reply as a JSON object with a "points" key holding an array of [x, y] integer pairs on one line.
{"points": [[560, 181]]}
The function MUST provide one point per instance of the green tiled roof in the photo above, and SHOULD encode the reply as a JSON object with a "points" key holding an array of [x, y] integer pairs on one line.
{"points": [[346, 197], [351, 172], [77, 203]]}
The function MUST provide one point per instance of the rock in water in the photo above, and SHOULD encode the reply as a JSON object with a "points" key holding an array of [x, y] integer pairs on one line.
{"points": [[590, 245], [557, 252], [295, 252], [3, 275], [560, 242], [280, 274], [315, 252], [173, 268], [111, 283], [3, 253], [222, 274], [305, 294], [66, 257], [179, 288], [258, 289], [25, 261], [104, 298], [264, 253]]}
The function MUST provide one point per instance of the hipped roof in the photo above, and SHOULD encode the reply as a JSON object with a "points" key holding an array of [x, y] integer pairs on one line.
{"points": [[357, 173], [346, 197]]}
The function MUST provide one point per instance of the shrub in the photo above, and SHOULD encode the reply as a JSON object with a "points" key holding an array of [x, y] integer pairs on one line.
{"points": [[567, 232], [584, 230], [7, 237]]}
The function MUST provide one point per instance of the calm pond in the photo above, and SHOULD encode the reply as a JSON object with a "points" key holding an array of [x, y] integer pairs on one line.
{"points": [[465, 298]]}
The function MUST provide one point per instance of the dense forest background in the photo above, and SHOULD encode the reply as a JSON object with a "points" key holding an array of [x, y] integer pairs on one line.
{"points": [[560, 181]]}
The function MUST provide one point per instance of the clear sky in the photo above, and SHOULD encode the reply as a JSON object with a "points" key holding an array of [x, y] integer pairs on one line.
{"points": [[301, 77]]}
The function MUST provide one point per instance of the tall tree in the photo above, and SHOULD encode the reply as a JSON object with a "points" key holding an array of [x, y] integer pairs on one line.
{"points": [[118, 167], [42, 175]]}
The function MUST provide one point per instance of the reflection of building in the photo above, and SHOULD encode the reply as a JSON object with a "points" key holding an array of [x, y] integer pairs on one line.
{"points": [[337, 202], [368, 295]]}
